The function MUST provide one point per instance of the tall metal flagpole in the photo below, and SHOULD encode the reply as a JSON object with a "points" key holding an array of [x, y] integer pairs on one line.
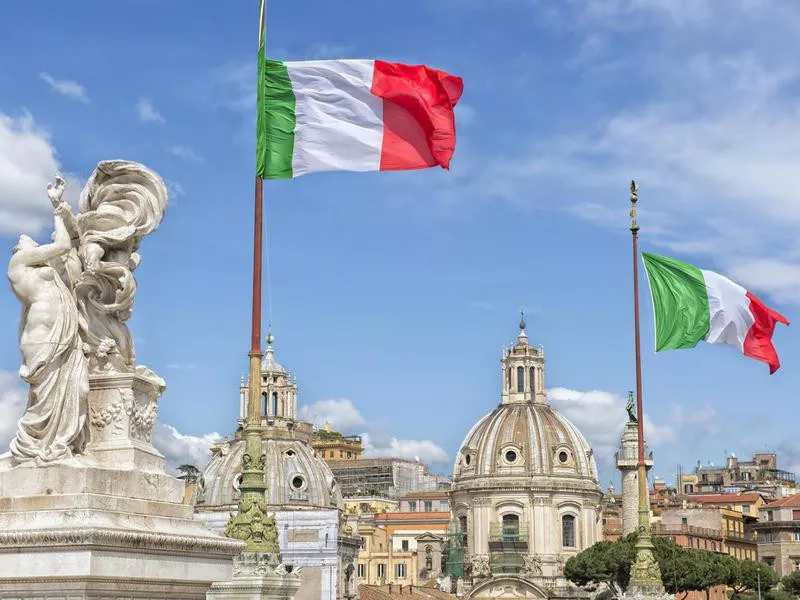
{"points": [[645, 577], [252, 523]]}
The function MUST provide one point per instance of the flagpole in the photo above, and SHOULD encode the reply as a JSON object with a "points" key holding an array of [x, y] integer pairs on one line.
{"points": [[645, 576], [251, 523]]}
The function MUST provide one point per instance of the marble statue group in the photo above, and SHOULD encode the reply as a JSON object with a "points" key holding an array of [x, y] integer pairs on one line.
{"points": [[77, 293]]}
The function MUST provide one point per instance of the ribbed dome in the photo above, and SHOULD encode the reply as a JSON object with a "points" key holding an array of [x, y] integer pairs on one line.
{"points": [[295, 476], [525, 439]]}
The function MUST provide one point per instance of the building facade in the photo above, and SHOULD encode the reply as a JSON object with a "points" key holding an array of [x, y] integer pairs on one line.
{"points": [[301, 491], [331, 445], [778, 532], [525, 495], [405, 547], [761, 473], [384, 477]]}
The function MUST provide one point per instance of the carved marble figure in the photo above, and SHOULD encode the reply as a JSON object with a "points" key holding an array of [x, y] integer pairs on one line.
{"points": [[54, 425], [77, 294]]}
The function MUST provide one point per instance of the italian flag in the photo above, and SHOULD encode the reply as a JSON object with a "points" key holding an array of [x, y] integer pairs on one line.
{"points": [[353, 115], [692, 304]]}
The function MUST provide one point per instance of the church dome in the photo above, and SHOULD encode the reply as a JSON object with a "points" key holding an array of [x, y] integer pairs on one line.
{"points": [[525, 439], [524, 436], [295, 476]]}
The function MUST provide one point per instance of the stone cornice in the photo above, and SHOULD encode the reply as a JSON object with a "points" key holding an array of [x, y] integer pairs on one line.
{"points": [[117, 538]]}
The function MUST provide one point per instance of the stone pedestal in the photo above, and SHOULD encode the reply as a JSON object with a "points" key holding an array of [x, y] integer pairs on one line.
{"points": [[257, 576], [110, 523]]}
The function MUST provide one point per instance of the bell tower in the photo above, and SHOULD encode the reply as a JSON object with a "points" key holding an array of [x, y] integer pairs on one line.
{"points": [[523, 371]]}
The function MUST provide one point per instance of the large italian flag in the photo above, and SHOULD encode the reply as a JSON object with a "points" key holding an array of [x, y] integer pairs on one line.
{"points": [[353, 115], [692, 304]]}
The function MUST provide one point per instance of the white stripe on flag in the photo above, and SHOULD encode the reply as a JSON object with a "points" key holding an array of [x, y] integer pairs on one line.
{"points": [[729, 311], [339, 122]]}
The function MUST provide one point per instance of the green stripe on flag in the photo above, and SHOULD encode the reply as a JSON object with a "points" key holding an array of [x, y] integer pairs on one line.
{"points": [[680, 302], [276, 120]]}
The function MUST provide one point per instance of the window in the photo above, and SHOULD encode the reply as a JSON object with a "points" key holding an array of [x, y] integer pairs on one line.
{"points": [[713, 546], [341, 454], [568, 531], [428, 558], [404, 545], [508, 378], [796, 536], [770, 516], [381, 570], [264, 405], [510, 528], [298, 482], [563, 457], [511, 456], [444, 506], [362, 571], [532, 379], [684, 521], [745, 509], [349, 455], [428, 506], [520, 379], [767, 536], [796, 515], [412, 506], [400, 571], [462, 524], [363, 542], [323, 454], [274, 403]]}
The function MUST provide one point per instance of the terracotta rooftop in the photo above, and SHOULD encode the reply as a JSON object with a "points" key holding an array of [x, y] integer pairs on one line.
{"points": [[787, 502], [402, 592], [725, 498]]}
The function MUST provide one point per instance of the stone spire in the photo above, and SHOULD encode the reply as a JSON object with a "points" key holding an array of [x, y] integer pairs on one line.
{"points": [[523, 370]]}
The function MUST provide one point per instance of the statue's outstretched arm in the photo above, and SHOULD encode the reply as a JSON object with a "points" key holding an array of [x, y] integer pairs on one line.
{"points": [[43, 254]]}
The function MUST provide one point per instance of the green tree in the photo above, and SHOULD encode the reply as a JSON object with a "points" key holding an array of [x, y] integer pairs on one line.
{"points": [[189, 473], [791, 583], [604, 562], [747, 575]]}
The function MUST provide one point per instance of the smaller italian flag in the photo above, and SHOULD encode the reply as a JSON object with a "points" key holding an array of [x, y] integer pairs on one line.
{"points": [[353, 115], [692, 304]]}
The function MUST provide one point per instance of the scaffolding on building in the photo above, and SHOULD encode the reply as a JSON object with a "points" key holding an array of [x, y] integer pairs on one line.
{"points": [[454, 552]]}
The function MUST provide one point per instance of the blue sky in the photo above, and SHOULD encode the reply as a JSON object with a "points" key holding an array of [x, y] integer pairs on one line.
{"points": [[393, 293]]}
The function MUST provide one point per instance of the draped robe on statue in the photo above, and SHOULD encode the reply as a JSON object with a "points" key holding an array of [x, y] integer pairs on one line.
{"points": [[54, 426]]}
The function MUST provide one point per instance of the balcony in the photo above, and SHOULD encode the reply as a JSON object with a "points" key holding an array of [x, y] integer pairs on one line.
{"points": [[498, 533]]}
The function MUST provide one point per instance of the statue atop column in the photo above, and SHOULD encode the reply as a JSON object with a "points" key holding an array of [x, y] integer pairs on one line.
{"points": [[77, 294], [630, 408]]}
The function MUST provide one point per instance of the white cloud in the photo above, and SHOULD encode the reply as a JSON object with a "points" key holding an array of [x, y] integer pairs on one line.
{"points": [[27, 164], [341, 413], [778, 277], [600, 417], [425, 451], [147, 111], [186, 153], [182, 366], [703, 417], [179, 448], [65, 87], [12, 404]]}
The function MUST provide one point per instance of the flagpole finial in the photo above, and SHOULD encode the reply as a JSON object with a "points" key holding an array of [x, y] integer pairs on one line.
{"points": [[634, 199]]}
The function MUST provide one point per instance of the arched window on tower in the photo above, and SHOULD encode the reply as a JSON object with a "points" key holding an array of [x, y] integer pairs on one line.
{"points": [[510, 528], [264, 405], [274, 403], [568, 531], [508, 379], [532, 379], [520, 379], [462, 529]]}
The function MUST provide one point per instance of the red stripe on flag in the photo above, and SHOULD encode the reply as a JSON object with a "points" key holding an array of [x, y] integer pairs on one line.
{"points": [[758, 341], [419, 128]]}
